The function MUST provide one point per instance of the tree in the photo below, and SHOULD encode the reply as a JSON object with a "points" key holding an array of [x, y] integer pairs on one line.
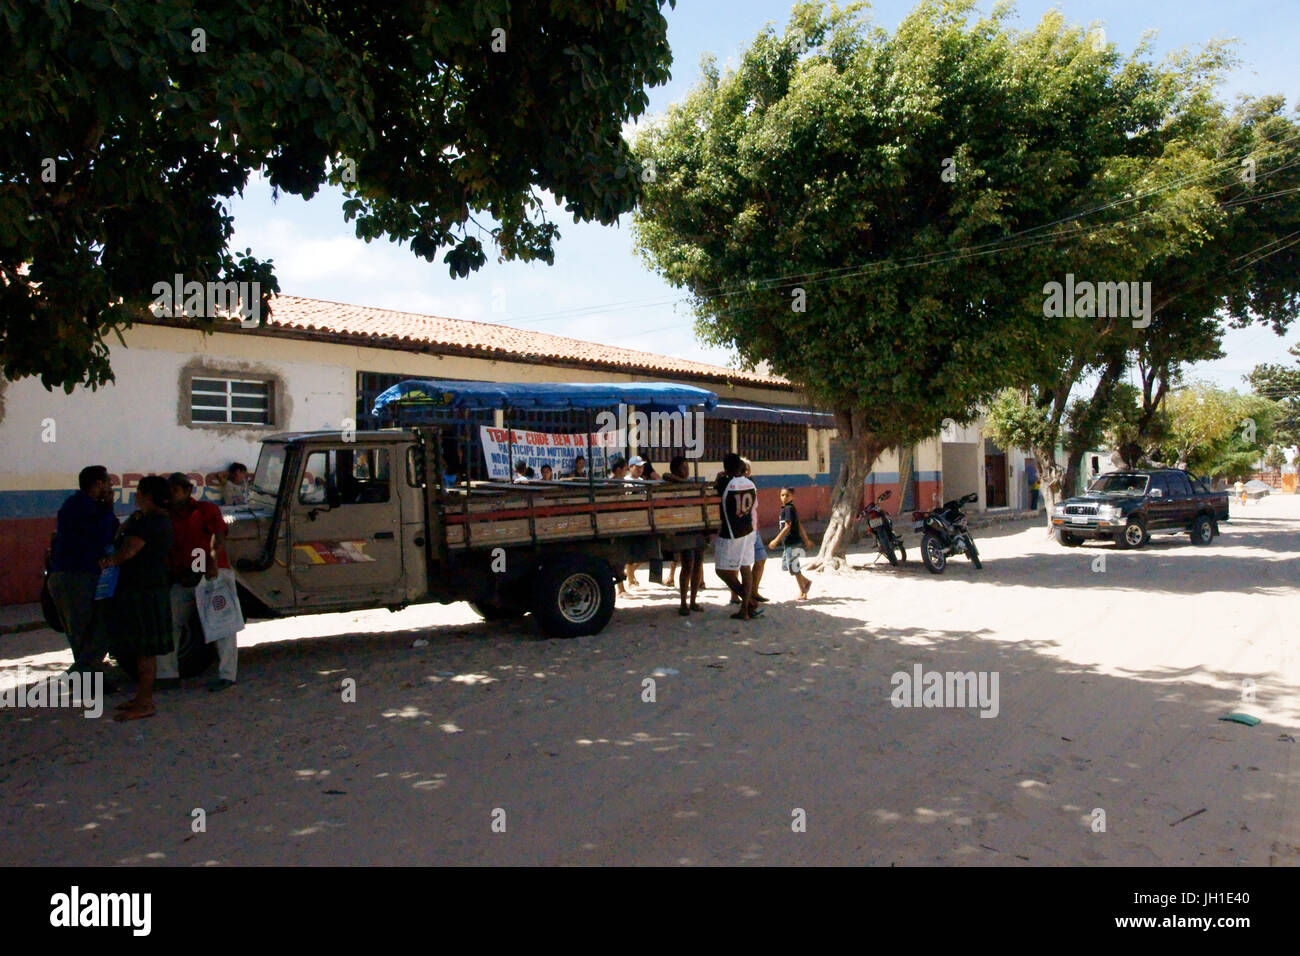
{"points": [[1281, 383], [876, 215], [1218, 248], [127, 125]]}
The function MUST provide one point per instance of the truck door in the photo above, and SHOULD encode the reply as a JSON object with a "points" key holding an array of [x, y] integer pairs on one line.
{"points": [[1183, 501], [345, 528], [1159, 508]]}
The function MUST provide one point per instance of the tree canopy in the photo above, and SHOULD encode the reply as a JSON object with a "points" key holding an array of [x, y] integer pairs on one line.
{"points": [[878, 216], [128, 125]]}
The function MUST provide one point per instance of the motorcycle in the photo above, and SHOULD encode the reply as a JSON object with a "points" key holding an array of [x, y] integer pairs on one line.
{"points": [[887, 540], [944, 533]]}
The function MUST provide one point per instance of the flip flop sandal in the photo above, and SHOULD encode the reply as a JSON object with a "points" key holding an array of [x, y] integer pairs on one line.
{"points": [[696, 607], [760, 599], [740, 617], [684, 611], [757, 612]]}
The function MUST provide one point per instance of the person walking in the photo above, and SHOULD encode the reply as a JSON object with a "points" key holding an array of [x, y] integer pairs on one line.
{"points": [[791, 531], [198, 549], [1031, 479], [141, 605], [84, 533]]}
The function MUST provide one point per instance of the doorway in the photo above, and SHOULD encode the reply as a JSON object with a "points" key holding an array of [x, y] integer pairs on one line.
{"points": [[995, 475]]}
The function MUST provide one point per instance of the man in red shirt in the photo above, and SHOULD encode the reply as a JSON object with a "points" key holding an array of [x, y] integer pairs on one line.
{"points": [[198, 549]]}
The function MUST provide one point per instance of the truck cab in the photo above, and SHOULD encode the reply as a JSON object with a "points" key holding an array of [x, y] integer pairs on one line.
{"points": [[332, 523]]}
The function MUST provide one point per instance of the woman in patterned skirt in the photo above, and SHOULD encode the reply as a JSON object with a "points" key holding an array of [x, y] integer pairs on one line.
{"points": [[142, 615]]}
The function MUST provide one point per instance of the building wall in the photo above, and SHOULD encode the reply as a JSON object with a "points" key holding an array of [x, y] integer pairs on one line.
{"points": [[139, 424]]}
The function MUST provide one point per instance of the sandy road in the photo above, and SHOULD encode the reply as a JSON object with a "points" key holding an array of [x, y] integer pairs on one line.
{"points": [[1110, 685]]}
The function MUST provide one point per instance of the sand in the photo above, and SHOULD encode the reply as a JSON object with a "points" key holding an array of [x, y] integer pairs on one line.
{"points": [[771, 742]]}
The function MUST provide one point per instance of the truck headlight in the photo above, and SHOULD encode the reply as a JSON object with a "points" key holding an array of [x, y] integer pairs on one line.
{"points": [[1109, 512]]}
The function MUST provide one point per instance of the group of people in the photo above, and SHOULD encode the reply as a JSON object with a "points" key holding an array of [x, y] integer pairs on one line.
{"points": [[161, 552], [739, 552], [525, 472]]}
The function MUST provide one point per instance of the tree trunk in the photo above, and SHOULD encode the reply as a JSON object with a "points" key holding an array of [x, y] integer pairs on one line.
{"points": [[861, 449], [1051, 480]]}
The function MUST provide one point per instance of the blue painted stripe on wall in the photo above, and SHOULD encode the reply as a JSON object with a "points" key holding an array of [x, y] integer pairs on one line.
{"points": [[41, 504], [32, 504]]}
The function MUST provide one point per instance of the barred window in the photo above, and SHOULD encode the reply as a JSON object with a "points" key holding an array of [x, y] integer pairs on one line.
{"points": [[230, 401], [763, 441], [717, 438]]}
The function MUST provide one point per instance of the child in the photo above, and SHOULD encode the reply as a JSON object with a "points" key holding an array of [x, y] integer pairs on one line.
{"points": [[791, 528]]}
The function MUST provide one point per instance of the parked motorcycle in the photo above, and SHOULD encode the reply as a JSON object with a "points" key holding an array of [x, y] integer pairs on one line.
{"points": [[878, 522], [944, 533]]}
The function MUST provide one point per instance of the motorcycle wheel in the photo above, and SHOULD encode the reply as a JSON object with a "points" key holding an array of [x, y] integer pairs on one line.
{"points": [[902, 551], [886, 547], [973, 553], [932, 553]]}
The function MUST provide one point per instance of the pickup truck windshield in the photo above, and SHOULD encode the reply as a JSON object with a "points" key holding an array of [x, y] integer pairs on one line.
{"points": [[270, 465], [1112, 484]]}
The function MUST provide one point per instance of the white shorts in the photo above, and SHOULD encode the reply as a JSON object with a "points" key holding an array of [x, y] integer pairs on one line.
{"points": [[732, 554]]}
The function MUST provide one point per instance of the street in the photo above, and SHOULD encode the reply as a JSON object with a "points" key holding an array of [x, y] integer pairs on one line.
{"points": [[768, 742]]}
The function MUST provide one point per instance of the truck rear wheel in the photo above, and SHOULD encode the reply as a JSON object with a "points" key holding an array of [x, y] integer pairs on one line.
{"points": [[492, 610], [1203, 530], [574, 597]]}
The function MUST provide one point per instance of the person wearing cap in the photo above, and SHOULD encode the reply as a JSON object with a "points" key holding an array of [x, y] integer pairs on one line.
{"points": [[198, 549]]}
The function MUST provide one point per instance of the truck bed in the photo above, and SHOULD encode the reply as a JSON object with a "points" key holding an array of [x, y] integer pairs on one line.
{"points": [[495, 514]]}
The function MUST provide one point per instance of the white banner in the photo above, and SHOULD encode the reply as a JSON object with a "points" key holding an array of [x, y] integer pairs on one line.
{"points": [[543, 448]]}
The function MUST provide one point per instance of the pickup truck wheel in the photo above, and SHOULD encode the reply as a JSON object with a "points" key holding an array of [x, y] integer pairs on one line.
{"points": [[1203, 530], [1067, 539], [574, 597], [491, 610], [1135, 534]]}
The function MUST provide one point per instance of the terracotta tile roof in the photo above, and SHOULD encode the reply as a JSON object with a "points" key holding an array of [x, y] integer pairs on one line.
{"points": [[384, 328]]}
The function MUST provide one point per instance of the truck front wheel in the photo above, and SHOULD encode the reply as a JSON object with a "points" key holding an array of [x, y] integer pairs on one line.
{"points": [[574, 597]]}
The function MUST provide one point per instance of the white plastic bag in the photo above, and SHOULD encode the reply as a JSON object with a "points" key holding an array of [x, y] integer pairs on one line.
{"points": [[218, 602]]}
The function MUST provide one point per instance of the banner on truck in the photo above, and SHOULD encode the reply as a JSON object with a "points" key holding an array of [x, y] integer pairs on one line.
{"points": [[543, 448]]}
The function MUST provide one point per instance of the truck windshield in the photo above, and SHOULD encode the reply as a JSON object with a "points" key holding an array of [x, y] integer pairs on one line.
{"points": [[1116, 484], [270, 465]]}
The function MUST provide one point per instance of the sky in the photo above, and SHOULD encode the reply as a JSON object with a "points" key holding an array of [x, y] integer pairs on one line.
{"points": [[600, 290]]}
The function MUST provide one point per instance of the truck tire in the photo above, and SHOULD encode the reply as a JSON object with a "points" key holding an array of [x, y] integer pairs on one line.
{"points": [[1202, 530], [1134, 534], [492, 610], [1067, 539], [574, 596]]}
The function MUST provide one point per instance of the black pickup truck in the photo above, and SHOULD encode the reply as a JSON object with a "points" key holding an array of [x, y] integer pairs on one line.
{"points": [[1127, 507]]}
